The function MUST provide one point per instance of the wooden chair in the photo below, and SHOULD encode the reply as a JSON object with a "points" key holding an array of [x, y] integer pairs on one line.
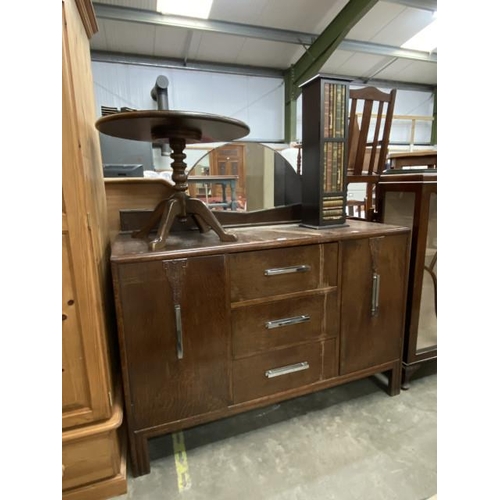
{"points": [[368, 141]]}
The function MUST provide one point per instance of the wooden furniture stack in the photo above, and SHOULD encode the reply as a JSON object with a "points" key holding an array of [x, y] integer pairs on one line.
{"points": [[93, 451], [208, 329]]}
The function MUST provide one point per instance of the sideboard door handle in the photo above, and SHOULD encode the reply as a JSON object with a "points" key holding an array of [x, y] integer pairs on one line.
{"points": [[284, 370], [178, 331], [375, 293], [287, 270], [287, 321]]}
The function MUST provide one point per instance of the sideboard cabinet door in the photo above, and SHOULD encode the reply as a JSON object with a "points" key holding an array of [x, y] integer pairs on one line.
{"points": [[374, 278], [174, 335]]}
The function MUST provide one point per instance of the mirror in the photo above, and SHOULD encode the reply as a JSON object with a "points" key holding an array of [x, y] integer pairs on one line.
{"points": [[246, 176]]}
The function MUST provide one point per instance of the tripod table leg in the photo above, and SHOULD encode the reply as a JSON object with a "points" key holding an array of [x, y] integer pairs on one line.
{"points": [[172, 209], [154, 218], [198, 209]]}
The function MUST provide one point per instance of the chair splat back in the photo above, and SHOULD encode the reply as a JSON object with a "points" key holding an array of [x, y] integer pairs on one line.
{"points": [[367, 152]]}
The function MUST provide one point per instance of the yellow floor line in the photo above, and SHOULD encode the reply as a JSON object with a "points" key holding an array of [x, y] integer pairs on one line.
{"points": [[181, 462]]}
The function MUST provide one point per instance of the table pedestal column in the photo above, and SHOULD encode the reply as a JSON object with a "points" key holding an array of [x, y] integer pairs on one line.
{"points": [[180, 205]]}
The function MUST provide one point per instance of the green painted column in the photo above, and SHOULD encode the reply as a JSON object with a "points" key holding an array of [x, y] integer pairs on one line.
{"points": [[311, 62], [290, 107], [434, 122]]}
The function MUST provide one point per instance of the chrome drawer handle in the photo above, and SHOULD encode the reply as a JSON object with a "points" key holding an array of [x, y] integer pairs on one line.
{"points": [[284, 370], [287, 270], [287, 321], [375, 293], [178, 331]]}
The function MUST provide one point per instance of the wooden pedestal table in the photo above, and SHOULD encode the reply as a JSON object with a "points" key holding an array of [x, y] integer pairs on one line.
{"points": [[178, 128]]}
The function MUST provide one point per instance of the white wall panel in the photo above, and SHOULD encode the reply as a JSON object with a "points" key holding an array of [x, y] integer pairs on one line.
{"points": [[410, 102], [257, 101]]}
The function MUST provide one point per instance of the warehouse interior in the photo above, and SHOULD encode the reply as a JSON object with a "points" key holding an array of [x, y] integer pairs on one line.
{"points": [[350, 440]]}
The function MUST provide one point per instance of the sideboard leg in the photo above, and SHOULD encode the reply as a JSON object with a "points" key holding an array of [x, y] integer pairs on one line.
{"points": [[394, 376], [139, 455]]}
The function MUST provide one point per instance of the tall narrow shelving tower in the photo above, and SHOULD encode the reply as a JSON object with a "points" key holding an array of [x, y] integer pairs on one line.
{"points": [[324, 151]]}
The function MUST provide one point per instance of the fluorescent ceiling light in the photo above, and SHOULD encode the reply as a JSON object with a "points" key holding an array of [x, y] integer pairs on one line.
{"points": [[425, 40], [189, 8]]}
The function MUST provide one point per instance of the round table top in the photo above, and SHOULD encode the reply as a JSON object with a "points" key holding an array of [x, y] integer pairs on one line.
{"points": [[160, 125]]}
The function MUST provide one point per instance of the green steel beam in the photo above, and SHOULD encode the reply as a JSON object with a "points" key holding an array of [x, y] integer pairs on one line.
{"points": [[317, 54], [434, 138], [326, 43], [290, 109]]}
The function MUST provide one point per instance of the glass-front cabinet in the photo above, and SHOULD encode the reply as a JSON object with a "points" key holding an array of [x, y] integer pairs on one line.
{"points": [[409, 199]]}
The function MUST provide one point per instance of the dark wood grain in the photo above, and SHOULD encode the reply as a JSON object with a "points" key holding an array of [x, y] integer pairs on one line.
{"points": [[250, 381], [423, 185], [248, 278], [161, 386], [330, 358], [226, 300], [330, 263], [324, 151], [413, 158], [160, 125], [263, 401], [133, 220], [368, 339], [251, 336], [128, 249], [368, 141]]}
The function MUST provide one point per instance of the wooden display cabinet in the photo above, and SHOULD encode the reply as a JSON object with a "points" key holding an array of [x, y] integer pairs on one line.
{"points": [[409, 198], [324, 151]]}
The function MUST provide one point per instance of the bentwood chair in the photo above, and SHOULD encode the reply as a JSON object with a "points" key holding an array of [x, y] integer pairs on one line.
{"points": [[368, 141]]}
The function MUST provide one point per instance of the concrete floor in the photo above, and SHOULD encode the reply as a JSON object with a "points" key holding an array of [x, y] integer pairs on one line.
{"points": [[352, 442]]}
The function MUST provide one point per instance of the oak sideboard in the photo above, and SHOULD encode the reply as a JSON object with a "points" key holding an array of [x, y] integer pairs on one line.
{"points": [[208, 329]]}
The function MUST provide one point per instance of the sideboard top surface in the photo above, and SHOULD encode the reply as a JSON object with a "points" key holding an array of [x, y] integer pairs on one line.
{"points": [[128, 249]]}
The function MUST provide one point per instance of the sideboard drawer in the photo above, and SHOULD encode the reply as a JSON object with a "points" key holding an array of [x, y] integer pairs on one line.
{"points": [[278, 323], [276, 371], [265, 273]]}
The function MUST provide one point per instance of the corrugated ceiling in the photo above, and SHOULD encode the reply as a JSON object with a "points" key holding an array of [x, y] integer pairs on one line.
{"points": [[368, 56]]}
